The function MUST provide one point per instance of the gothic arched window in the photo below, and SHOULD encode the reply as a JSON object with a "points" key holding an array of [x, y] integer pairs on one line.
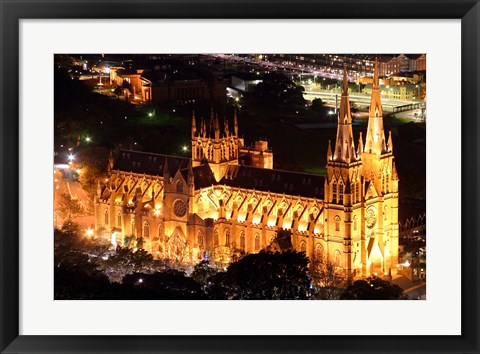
{"points": [[303, 247], [146, 229], [337, 223], [119, 219], [179, 186], [200, 238], [257, 242], [355, 223], [334, 191], [215, 237], [227, 237], [133, 227], [242, 240], [318, 252], [106, 216], [337, 258], [340, 193]]}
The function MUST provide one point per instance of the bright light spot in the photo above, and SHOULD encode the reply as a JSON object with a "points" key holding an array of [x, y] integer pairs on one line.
{"points": [[173, 111], [89, 232], [106, 179], [149, 114], [156, 212], [140, 280], [237, 99], [70, 157], [184, 148], [87, 139], [78, 170], [331, 112]]}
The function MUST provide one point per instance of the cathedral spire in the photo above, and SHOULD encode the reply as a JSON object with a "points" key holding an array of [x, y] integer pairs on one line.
{"points": [[235, 123], [225, 127], [194, 125], [360, 146], [204, 128], [329, 151], [217, 128], [375, 139], [344, 141], [390, 141], [166, 171], [211, 123]]}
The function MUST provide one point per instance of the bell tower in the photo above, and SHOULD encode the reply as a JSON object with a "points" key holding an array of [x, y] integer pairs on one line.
{"points": [[343, 186], [218, 147], [381, 191]]}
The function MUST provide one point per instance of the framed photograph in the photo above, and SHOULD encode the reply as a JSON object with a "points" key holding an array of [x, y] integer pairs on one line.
{"points": [[288, 155]]}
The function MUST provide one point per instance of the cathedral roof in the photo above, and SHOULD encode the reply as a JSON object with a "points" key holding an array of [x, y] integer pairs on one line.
{"points": [[275, 181], [148, 163], [247, 177]]}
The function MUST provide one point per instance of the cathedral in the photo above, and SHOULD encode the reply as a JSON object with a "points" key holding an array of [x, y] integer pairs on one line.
{"points": [[227, 200]]}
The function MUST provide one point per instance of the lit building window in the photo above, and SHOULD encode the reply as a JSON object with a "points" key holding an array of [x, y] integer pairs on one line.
{"points": [[179, 186], [200, 238], [337, 223], [334, 191], [340, 193], [106, 216], [242, 240], [337, 258], [303, 247], [119, 219], [257, 242], [146, 230], [227, 237], [215, 237], [319, 253]]}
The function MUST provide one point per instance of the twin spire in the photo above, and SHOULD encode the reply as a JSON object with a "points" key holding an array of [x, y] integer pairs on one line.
{"points": [[375, 140], [213, 130], [344, 147]]}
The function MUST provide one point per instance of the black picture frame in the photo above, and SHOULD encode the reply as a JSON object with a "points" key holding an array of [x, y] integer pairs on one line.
{"points": [[12, 11]]}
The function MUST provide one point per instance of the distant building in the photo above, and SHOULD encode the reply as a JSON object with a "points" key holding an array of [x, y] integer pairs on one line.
{"points": [[406, 92], [153, 88], [212, 206], [245, 82]]}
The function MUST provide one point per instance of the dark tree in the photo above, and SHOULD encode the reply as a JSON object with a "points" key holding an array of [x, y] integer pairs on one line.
{"points": [[264, 276], [278, 91], [167, 285], [373, 288]]}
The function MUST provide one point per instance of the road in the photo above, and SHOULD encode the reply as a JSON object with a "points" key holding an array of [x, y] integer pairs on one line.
{"points": [[66, 185]]}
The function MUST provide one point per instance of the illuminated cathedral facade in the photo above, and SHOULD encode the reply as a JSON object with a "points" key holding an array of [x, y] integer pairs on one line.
{"points": [[227, 200]]}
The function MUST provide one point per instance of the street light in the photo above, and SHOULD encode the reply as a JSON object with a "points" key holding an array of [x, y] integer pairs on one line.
{"points": [[88, 139]]}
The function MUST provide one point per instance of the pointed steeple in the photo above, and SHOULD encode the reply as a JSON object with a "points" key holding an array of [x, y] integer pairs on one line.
{"points": [[390, 141], [204, 128], [360, 146], [329, 151], [212, 122], [375, 139], [166, 171], [225, 127], [194, 125], [217, 128], [344, 140], [235, 123]]}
